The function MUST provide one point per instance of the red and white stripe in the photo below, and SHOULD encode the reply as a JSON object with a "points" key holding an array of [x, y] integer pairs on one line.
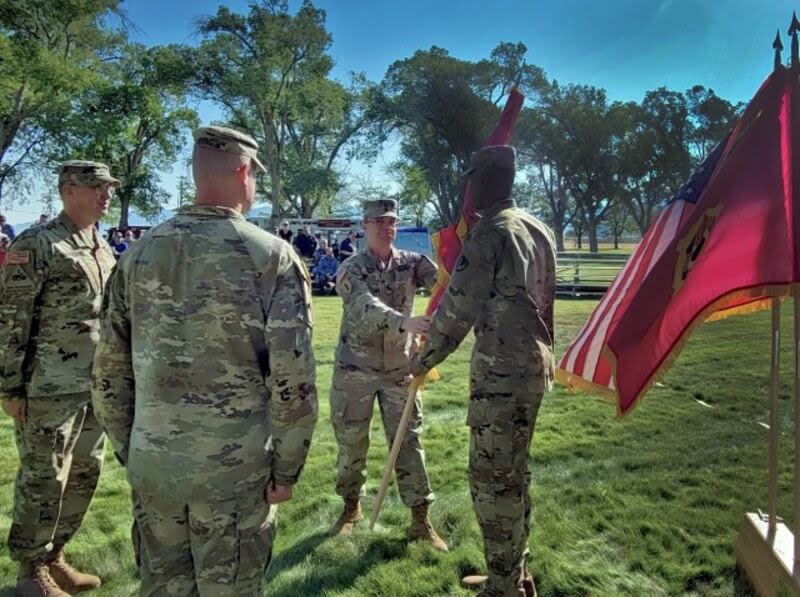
{"points": [[584, 358]]}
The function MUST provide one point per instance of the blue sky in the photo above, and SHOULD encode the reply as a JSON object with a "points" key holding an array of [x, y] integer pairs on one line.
{"points": [[624, 46]]}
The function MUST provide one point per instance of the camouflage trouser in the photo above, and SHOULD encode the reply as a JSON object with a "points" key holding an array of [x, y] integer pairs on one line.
{"points": [[352, 399], [60, 449], [220, 549], [501, 428]]}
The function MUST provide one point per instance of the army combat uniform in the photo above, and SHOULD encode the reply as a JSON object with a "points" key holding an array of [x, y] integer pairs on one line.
{"points": [[204, 381], [51, 289], [372, 361], [503, 286]]}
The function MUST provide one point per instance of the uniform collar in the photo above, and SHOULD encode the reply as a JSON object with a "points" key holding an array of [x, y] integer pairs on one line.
{"points": [[498, 207], [210, 211], [79, 236], [378, 262]]}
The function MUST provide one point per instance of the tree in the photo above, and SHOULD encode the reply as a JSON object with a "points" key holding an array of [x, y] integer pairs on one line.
{"points": [[328, 117], [186, 190], [415, 192], [137, 121], [578, 132], [357, 189], [619, 221], [48, 54], [269, 70], [443, 108], [654, 153], [550, 197], [712, 118]]}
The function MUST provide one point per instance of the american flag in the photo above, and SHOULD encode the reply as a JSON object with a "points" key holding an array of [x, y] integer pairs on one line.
{"points": [[584, 365]]}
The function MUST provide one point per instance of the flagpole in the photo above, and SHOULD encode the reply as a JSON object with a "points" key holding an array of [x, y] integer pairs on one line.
{"points": [[773, 418], [796, 570], [399, 436]]}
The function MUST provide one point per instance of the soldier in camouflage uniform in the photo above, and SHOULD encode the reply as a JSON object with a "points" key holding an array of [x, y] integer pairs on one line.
{"points": [[503, 286], [204, 380], [376, 339], [51, 287]]}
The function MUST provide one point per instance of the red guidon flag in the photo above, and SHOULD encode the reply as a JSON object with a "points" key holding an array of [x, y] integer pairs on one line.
{"points": [[726, 244], [447, 242]]}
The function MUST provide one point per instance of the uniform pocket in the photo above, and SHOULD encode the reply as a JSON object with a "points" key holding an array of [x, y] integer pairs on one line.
{"points": [[351, 397], [491, 439], [255, 536], [214, 540]]}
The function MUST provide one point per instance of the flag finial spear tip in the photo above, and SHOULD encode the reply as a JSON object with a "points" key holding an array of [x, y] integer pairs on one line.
{"points": [[795, 25], [778, 47], [777, 44], [794, 28]]}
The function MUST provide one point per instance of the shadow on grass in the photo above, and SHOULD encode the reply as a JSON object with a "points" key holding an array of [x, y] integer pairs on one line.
{"points": [[7, 592], [289, 558], [741, 584], [342, 575]]}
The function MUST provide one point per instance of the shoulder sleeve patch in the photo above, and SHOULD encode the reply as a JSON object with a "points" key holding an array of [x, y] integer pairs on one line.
{"points": [[343, 281], [18, 258]]}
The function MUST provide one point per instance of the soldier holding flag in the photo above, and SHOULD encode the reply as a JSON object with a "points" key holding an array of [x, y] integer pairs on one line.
{"points": [[377, 287], [503, 286]]}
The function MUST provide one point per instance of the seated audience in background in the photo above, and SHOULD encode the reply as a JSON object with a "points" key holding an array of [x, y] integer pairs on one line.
{"points": [[5, 243], [285, 232], [324, 271], [6, 228], [348, 246], [118, 244], [322, 250], [305, 243]]}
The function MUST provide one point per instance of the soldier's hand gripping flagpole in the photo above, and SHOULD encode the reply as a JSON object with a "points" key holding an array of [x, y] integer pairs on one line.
{"points": [[415, 386]]}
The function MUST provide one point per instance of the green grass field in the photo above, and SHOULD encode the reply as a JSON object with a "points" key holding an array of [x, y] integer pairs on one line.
{"points": [[579, 267], [650, 505], [603, 247]]}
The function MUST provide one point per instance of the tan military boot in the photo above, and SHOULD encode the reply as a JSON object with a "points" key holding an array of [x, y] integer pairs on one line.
{"points": [[70, 579], [350, 516], [34, 580], [421, 528]]}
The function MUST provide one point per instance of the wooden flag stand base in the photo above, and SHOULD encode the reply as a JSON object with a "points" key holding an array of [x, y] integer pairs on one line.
{"points": [[767, 560], [767, 550]]}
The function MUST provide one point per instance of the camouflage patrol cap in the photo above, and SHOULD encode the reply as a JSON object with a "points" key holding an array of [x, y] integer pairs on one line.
{"points": [[380, 208], [229, 141], [500, 156], [85, 174]]}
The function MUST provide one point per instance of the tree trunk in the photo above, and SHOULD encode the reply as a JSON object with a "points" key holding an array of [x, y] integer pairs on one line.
{"points": [[124, 207], [616, 240], [591, 228], [578, 227], [559, 232], [307, 210], [275, 182]]}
